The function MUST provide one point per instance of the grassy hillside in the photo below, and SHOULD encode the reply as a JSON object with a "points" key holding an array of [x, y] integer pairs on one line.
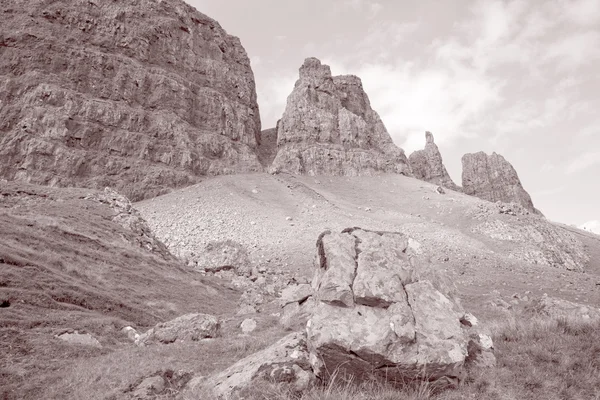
{"points": [[65, 264]]}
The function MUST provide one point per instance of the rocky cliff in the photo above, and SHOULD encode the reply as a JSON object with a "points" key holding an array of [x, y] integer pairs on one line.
{"points": [[140, 95], [329, 128], [427, 165], [492, 178]]}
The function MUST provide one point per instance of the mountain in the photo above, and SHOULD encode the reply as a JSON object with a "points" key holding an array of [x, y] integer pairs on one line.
{"points": [[492, 178], [427, 165], [328, 127]]}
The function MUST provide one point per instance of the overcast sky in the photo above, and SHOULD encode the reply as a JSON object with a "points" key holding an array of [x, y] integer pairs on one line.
{"points": [[521, 78]]}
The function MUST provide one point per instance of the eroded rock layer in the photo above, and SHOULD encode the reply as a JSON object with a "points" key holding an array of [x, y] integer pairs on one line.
{"points": [[329, 128], [427, 165], [140, 95], [492, 178]]}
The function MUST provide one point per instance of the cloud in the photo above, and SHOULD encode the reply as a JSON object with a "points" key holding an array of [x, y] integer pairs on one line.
{"points": [[550, 192], [591, 226], [372, 8], [272, 97], [504, 68], [583, 162]]}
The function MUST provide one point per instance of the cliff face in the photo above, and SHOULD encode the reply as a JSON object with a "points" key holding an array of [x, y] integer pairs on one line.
{"points": [[427, 165], [140, 95], [491, 177], [329, 128]]}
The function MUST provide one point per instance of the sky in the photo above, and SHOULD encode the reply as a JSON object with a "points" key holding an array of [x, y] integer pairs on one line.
{"points": [[520, 78]]}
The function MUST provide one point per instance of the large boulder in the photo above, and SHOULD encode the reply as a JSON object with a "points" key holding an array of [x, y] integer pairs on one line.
{"points": [[329, 128], [492, 178], [428, 165], [378, 316], [137, 95]]}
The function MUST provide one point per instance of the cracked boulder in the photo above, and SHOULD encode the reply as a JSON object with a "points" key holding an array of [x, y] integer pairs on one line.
{"points": [[285, 362], [379, 316], [188, 327]]}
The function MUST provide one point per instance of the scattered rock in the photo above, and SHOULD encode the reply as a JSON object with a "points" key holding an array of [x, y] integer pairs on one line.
{"points": [[130, 218], [537, 242], [428, 166], [189, 327], [329, 128], [224, 255], [285, 362], [492, 178]]}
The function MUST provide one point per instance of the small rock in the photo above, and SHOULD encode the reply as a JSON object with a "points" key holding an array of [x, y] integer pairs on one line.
{"points": [[149, 387], [131, 333], [248, 325], [469, 320], [288, 218]]}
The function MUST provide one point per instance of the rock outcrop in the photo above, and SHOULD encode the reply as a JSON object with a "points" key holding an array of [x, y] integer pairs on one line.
{"points": [[492, 178], [378, 316], [329, 128], [427, 165], [138, 95]]}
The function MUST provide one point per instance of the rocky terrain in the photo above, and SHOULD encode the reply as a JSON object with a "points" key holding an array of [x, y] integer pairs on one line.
{"points": [[139, 95], [427, 165], [337, 275], [492, 178], [329, 128]]}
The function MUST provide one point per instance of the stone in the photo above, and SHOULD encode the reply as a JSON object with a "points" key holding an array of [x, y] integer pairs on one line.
{"points": [[399, 325], [149, 387], [295, 294], [329, 128], [295, 315], [559, 308], [131, 333], [189, 327], [428, 166], [285, 362], [139, 96], [248, 325], [224, 255], [83, 339], [492, 178], [469, 320]]}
